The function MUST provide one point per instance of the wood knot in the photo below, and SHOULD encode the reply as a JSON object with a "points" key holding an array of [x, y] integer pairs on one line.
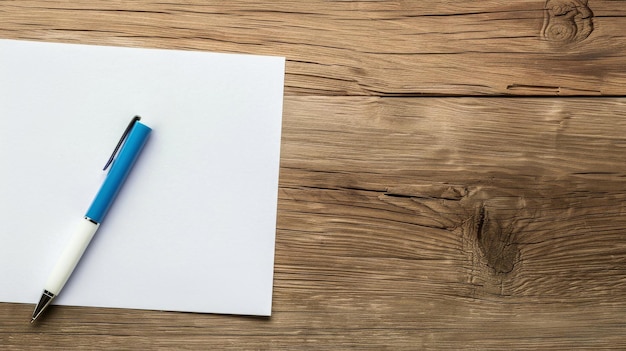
{"points": [[567, 21], [497, 242]]}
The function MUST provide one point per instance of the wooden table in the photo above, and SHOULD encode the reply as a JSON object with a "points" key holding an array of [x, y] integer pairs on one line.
{"points": [[453, 173]]}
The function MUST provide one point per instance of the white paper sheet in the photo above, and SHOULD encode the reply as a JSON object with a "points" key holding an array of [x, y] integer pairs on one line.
{"points": [[193, 228]]}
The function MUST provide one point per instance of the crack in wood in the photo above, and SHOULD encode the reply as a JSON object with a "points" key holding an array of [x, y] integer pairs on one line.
{"points": [[481, 223], [535, 88]]}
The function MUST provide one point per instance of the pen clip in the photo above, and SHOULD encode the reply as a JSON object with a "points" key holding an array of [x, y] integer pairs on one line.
{"points": [[117, 147]]}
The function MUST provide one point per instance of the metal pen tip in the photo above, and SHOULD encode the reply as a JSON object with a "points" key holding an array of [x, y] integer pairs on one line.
{"points": [[44, 302]]}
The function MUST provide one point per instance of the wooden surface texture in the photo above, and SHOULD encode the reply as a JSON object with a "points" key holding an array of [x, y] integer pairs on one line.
{"points": [[453, 173]]}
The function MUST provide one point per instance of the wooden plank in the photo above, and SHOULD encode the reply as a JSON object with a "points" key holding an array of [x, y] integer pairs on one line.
{"points": [[420, 223], [389, 48], [502, 180]]}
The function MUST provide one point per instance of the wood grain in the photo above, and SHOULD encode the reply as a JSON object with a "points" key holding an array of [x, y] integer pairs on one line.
{"points": [[397, 48], [467, 221]]}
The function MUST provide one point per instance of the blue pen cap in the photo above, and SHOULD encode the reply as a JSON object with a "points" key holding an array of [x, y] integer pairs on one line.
{"points": [[119, 171]]}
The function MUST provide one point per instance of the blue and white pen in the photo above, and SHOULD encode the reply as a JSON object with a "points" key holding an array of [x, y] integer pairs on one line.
{"points": [[135, 138]]}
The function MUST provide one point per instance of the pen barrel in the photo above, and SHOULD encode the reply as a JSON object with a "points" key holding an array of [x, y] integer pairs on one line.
{"points": [[71, 255], [118, 172]]}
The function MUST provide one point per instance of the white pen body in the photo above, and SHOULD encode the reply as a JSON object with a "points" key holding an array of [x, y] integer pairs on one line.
{"points": [[134, 139], [72, 253]]}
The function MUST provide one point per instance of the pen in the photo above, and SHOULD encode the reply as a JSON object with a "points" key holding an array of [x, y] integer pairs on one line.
{"points": [[133, 139]]}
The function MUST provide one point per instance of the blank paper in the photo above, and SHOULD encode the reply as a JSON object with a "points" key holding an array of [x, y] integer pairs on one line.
{"points": [[193, 228]]}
